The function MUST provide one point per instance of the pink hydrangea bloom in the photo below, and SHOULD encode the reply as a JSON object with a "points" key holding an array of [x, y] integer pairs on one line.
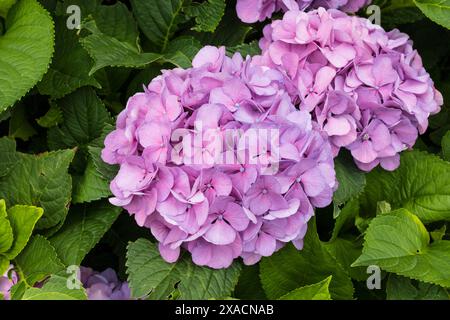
{"points": [[250, 11], [7, 280], [216, 160], [365, 87], [104, 285]]}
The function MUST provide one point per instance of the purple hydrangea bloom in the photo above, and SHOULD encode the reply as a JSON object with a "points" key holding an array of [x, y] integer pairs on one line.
{"points": [[367, 88], [7, 280], [250, 11], [216, 160], [104, 285]]}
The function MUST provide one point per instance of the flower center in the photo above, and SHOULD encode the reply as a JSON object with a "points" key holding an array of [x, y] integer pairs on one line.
{"points": [[366, 137], [242, 169], [209, 185], [264, 191], [298, 179]]}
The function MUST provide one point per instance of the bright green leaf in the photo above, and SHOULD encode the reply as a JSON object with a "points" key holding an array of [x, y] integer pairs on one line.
{"points": [[6, 232], [38, 260], [436, 10], [22, 219], [25, 50], [4, 264], [5, 5], [148, 273], [398, 242], [317, 291], [55, 289], [421, 184]]}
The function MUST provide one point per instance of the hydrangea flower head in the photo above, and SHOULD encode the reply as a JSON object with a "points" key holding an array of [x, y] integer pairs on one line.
{"points": [[104, 285], [251, 11], [7, 280], [365, 87], [216, 160]]}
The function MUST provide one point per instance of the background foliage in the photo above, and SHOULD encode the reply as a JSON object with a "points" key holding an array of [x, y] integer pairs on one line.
{"points": [[60, 91]]}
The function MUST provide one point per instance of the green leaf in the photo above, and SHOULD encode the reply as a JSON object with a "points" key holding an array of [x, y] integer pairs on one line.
{"points": [[118, 22], [38, 260], [6, 232], [110, 52], [18, 290], [9, 156], [230, 32], [351, 181], [4, 264], [106, 171], [52, 118], [289, 269], [5, 5], [421, 184], [70, 66], [22, 219], [25, 50], [249, 285], [397, 12], [401, 288], [317, 291], [436, 10], [55, 289], [83, 229], [446, 146], [90, 186], [19, 126], [84, 118], [245, 49], [345, 252], [398, 242], [158, 19], [207, 14], [181, 51], [143, 78], [148, 273], [439, 233], [346, 218], [41, 181]]}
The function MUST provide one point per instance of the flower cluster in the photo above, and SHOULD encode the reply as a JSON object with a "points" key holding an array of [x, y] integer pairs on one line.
{"points": [[250, 11], [8, 279], [367, 88], [217, 160], [104, 285]]}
